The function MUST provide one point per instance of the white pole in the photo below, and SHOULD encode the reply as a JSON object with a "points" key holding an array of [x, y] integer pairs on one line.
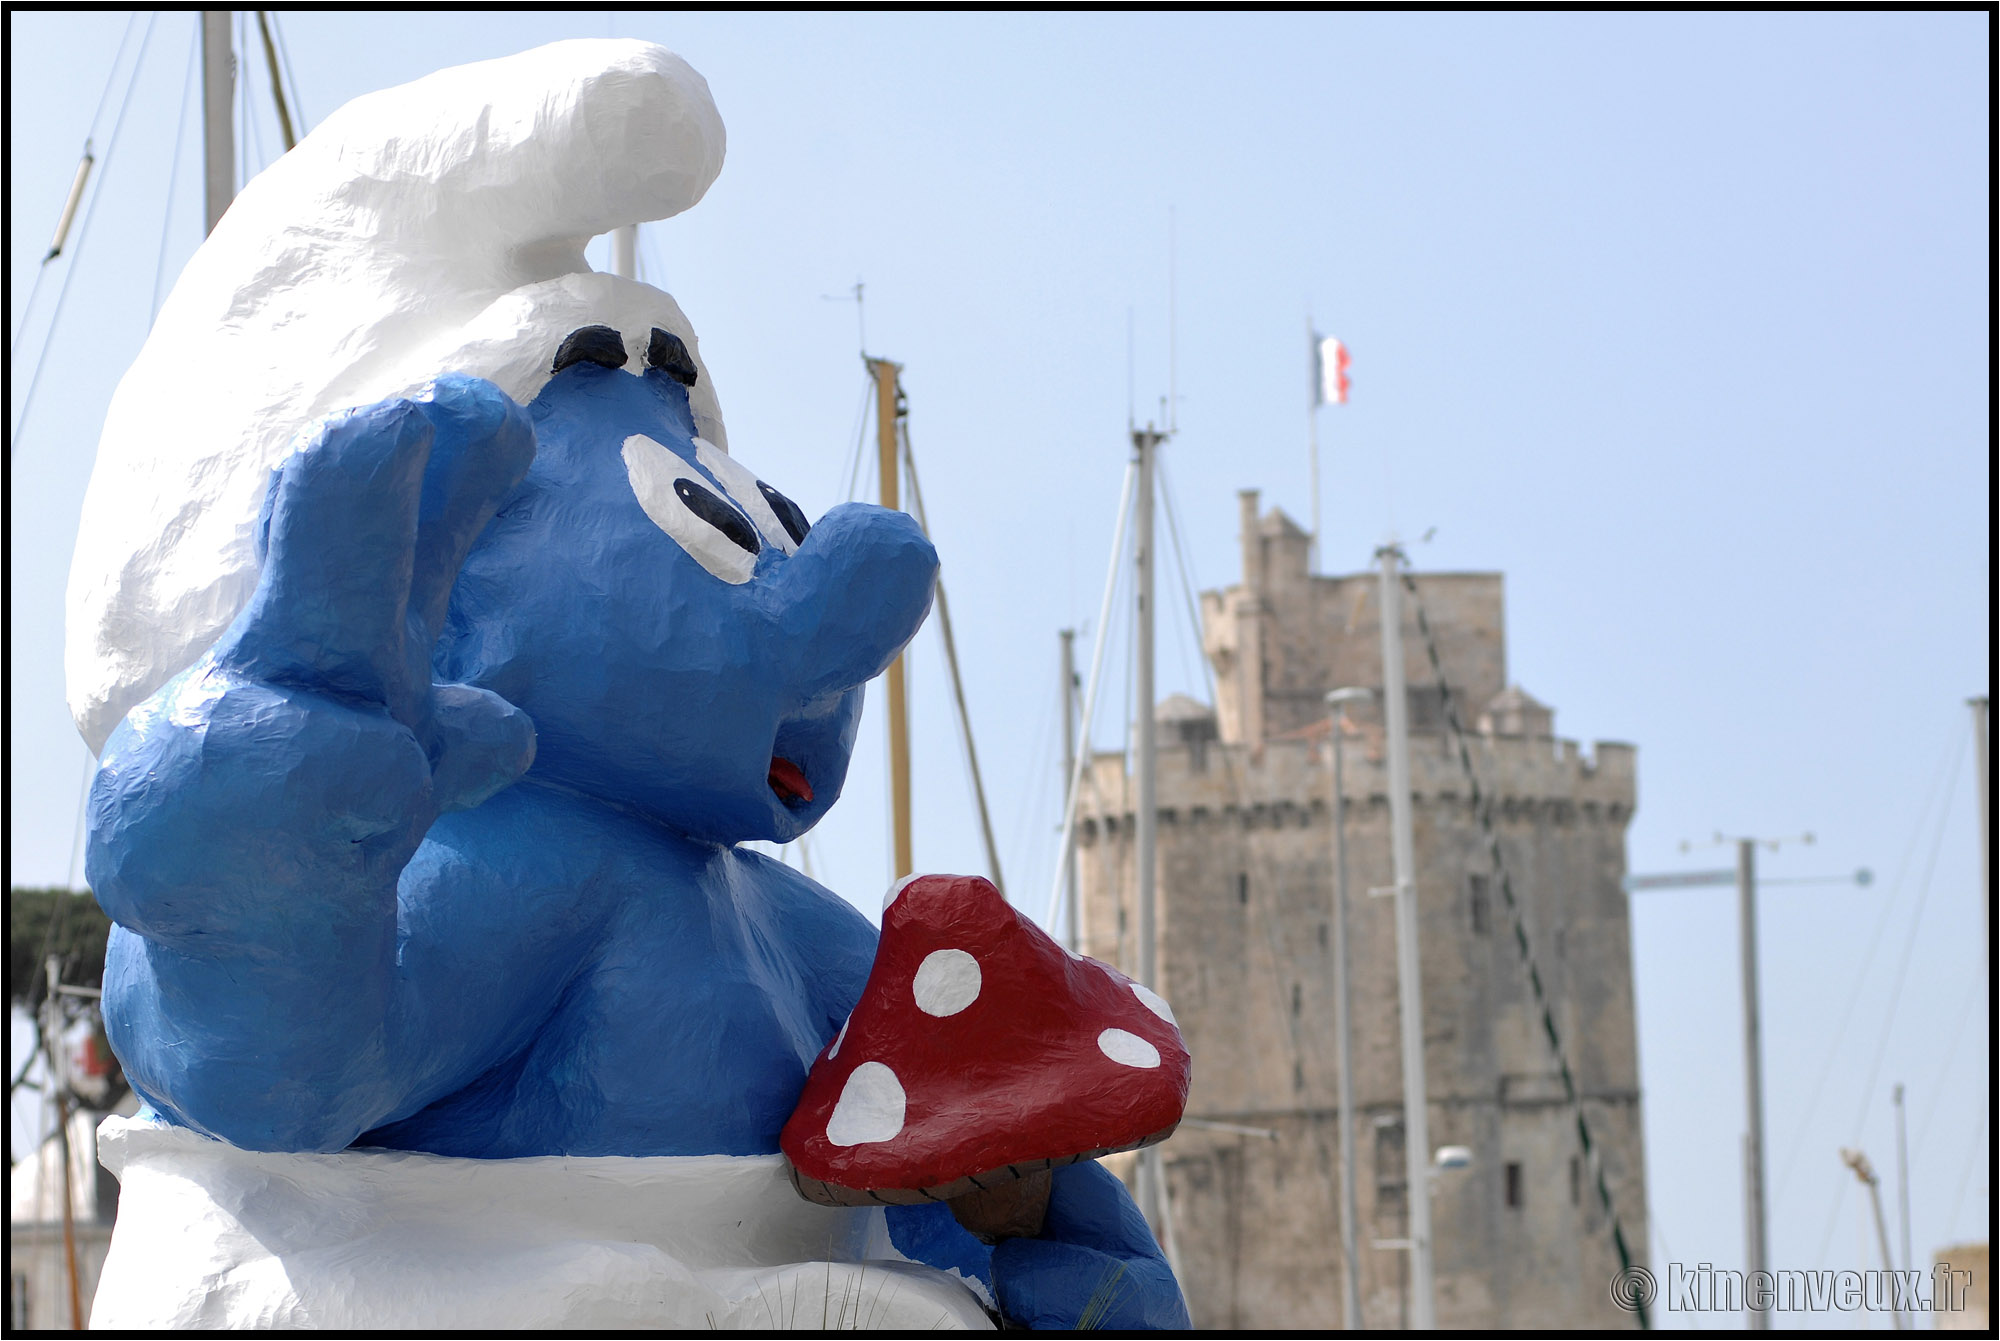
{"points": [[1979, 729], [1074, 912], [625, 251], [1090, 697], [218, 90], [1756, 1243], [1903, 1180], [1409, 984], [1145, 442], [1312, 438], [1350, 1252]]}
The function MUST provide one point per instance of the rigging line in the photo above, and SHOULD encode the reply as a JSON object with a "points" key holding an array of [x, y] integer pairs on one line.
{"points": [[652, 269], [1021, 849], [1482, 804], [291, 80], [251, 121], [860, 436], [1090, 695], [242, 110], [1186, 575], [1975, 989], [951, 665], [1876, 940], [1909, 944], [82, 235], [27, 310], [89, 136], [1979, 1145], [174, 171], [1833, 1217], [110, 77], [1267, 870], [277, 81]]}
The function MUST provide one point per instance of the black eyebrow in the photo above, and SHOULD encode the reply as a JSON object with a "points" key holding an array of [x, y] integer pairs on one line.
{"points": [[591, 344], [666, 352]]}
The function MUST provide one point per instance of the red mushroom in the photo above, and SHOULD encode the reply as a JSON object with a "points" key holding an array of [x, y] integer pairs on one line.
{"points": [[981, 1053]]}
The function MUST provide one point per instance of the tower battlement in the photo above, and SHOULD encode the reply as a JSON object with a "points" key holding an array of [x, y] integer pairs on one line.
{"points": [[1244, 842]]}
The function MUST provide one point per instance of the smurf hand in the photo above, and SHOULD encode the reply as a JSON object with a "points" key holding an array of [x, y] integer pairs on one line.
{"points": [[364, 531], [1096, 1266]]}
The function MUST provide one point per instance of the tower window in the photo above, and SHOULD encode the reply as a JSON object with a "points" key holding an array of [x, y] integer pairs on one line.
{"points": [[1575, 1180], [1513, 1184], [1243, 888], [1296, 993], [1389, 1151], [1476, 902]]}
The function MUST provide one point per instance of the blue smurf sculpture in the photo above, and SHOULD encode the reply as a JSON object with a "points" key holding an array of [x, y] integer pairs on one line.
{"points": [[429, 732]]}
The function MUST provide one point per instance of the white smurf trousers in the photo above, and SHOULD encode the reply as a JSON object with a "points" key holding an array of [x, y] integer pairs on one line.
{"points": [[210, 1236]]}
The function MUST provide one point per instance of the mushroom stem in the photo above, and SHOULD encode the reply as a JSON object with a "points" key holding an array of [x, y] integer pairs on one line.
{"points": [[1011, 1210]]}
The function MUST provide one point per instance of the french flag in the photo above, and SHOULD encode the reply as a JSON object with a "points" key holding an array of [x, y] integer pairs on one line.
{"points": [[1329, 371]]}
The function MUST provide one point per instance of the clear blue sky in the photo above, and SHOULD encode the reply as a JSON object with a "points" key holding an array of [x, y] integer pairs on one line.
{"points": [[1679, 320]]}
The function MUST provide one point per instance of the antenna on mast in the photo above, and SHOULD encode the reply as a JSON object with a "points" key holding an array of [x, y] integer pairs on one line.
{"points": [[860, 321], [1131, 392], [1172, 415]]}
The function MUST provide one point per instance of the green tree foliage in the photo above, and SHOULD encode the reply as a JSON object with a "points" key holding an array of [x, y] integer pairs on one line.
{"points": [[42, 922]]}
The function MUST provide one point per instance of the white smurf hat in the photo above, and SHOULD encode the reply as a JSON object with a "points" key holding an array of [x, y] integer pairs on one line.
{"points": [[432, 228]]}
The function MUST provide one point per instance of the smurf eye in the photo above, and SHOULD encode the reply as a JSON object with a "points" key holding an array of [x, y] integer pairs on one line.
{"points": [[717, 513], [788, 513], [765, 506], [699, 520]]}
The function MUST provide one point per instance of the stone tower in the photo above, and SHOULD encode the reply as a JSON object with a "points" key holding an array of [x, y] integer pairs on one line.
{"points": [[1244, 906]]}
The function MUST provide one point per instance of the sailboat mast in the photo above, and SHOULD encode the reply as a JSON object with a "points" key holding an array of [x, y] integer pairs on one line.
{"points": [[887, 411], [1145, 444], [218, 89], [1069, 769]]}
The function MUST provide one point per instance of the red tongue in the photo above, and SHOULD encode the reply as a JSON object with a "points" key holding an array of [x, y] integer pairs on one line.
{"points": [[788, 782]]}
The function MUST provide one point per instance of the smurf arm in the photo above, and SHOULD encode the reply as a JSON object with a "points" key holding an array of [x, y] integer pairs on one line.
{"points": [[251, 820]]}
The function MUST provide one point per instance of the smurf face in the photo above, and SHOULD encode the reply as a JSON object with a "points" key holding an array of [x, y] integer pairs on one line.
{"points": [[686, 643]]}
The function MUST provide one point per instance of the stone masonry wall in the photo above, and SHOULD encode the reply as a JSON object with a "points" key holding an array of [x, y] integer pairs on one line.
{"points": [[1245, 905]]}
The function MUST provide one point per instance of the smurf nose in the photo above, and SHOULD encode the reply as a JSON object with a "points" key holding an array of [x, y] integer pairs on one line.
{"points": [[853, 595]]}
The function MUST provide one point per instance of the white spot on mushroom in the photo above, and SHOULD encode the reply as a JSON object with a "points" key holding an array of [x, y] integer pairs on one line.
{"points": [[1124, 1049], [839, 1038], [895, 890], [870, 1107], [1156, 1003], [946, 982]]}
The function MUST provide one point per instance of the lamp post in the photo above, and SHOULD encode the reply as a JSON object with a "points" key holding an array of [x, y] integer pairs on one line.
{"points": [[1350, 1254], [1409, 983]]}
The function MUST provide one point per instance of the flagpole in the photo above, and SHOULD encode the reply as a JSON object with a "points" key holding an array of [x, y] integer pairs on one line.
{"points": [[1312, 437]]}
